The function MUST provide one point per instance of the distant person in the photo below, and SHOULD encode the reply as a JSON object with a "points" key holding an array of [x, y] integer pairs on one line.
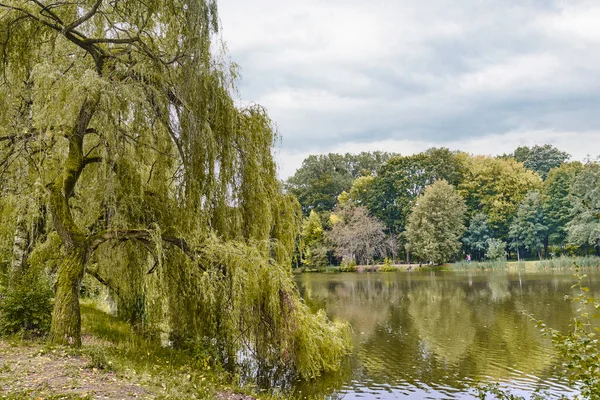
{"points": [[468, 258]]}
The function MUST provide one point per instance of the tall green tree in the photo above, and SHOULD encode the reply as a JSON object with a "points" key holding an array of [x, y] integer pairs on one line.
{"points": [[495, 187], [557, 200], [393, 191], [436, 223], [541, 159], [477, 235], [361, 190], [122, 114], [584, 228], [322, 178], [528, 228], [313, 246]]}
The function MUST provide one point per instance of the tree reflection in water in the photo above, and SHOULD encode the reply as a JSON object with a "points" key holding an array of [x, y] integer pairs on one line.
{"points": [[436, 334]]}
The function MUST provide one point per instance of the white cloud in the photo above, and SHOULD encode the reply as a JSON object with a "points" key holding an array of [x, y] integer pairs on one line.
{"points": [[579, 144], [335, 74]]}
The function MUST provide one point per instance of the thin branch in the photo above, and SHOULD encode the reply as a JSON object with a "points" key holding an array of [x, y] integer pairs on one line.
{"points": [[51, 14], [103, 281], [112, 41], [85, 17], [90, 160], [94, 241]]}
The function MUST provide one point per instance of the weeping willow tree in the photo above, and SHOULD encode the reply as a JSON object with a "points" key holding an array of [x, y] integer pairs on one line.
{"points": [[117, 117]]}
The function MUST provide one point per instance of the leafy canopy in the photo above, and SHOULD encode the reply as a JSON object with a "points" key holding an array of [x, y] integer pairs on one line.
{"points": [[436, 223], [528, 228], [357, 236], [584, 227], [541, 159], [557, 200], [392, 192], [321, 178], [495, 186], [477, 235]]}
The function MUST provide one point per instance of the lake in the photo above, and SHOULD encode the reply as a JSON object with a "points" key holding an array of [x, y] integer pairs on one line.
{"points": [[435, 334]]}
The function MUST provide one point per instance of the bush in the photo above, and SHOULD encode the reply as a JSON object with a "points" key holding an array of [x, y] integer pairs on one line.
{"points": [[387, 266], [348, 266], [316, 257], [27, 305], [496, 250]]}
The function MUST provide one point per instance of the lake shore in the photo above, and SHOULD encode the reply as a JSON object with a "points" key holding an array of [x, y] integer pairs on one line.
{"points": [[560, 263]]}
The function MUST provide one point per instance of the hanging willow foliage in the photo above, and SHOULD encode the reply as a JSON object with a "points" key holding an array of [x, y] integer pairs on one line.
{"points": [[157, 184]]}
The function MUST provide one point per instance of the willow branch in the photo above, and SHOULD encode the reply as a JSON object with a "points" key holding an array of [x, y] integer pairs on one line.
{"points": [[85, 17], [51, 14], [105, 282], [94, 241]]}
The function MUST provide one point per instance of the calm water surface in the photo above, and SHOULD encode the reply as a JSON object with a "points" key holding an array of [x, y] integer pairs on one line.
{"points": [[433, 335]]}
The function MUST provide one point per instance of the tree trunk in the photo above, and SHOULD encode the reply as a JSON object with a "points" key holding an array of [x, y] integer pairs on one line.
{"points": [[19, 253], [66, 317], [25, 239]]}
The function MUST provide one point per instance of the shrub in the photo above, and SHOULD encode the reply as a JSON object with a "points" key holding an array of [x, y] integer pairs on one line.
{"points": [[348, 266], [27, 305], [496, 250], [316, 256], [387, 266]]}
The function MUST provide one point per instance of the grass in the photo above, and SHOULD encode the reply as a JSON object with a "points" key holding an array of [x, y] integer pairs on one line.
{"points": [[558, 263], [114, 349], [483, 265], [115, 346], [335, 269], [565, 262]]}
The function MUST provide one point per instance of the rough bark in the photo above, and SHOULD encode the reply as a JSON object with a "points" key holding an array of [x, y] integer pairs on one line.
{"points": [[25, 239], [19, 253], [66, 317]]}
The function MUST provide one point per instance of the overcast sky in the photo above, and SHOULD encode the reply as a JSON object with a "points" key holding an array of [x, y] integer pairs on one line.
{"points": [[483, 76]]}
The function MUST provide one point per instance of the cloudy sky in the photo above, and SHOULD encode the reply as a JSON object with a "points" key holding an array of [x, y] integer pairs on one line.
{"points": [[483, 76]]}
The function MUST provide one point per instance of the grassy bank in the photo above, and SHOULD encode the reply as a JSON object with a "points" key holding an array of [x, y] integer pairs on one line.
{"points": [[334, 269], [558, 263], [113, 363]]}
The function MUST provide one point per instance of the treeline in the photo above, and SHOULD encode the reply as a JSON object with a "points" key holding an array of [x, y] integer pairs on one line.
{"points": [[439, 205]]}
